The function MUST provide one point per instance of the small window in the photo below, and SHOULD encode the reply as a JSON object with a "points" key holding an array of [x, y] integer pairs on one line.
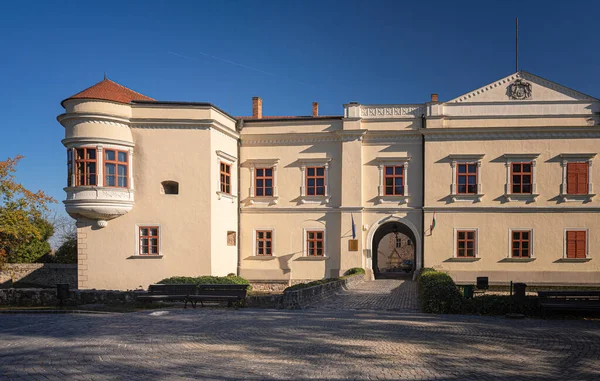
{"points": [[521, 243], [521, 175], [315, 181], [577, 178], [466, 242], [398, 242], [264, 242], [115, 168], [315, 246], [170, 187], [577, 244], [225, 177], [85, 165], [394, 180], [467, 178], [69, 167], [263, 182], [149, 244]]}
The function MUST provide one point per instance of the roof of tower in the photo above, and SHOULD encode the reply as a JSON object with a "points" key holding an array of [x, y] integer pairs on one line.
{"points": [[109, 91]]}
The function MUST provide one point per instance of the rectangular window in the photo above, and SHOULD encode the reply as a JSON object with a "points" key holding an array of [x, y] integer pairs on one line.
{"points": [[315, 243], [69, 167], [115, 168], [466, 241], [398, 242], [264, 242], [85, 164], [149, 240], [577, 244], [521, 243], [577, 178], [394, 180], [521, 177], [315, 181], [263, 182], [225, 178], [467, 178]]}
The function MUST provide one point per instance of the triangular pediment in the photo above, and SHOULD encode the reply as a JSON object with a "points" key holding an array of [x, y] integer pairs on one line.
{"points": [[522, 87]]}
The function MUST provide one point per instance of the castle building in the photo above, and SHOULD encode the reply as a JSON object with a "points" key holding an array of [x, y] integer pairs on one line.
{"points": [[497, 182]]}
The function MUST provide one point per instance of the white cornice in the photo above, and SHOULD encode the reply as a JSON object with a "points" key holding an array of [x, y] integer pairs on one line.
{"points": [[514, 209], [71, 142], [509, 133]]}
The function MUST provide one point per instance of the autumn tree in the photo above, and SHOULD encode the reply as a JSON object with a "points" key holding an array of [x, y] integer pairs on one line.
{"points": [[21, 211]]}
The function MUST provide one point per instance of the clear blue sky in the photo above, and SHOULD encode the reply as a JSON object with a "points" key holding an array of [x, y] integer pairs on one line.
{"points": [[288, 52]]}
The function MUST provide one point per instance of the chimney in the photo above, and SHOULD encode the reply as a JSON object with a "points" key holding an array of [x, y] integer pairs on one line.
{"points": [[434, 97], [315, 108], [257, 107]]}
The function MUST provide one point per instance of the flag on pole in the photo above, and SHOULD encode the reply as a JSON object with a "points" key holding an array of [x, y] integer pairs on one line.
{"points": [[353, 227], [432, 223]]}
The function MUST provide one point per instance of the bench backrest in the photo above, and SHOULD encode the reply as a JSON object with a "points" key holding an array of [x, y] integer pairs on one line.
{"points": [[172, 289], [238, 290], [583, 294]]}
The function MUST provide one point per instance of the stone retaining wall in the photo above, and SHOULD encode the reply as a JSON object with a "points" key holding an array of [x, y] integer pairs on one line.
{"points": [[303, 297], [38, 274]]}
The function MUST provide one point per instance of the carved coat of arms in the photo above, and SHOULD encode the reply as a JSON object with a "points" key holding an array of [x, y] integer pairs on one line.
{"points": [[520, 90]]}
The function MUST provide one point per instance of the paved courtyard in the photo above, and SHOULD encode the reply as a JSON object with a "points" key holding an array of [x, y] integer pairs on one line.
{"points": [[227, 344], [381, 294]]}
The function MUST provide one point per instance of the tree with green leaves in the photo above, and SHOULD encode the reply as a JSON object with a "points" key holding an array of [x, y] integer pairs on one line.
{"points": [[21, 212]]}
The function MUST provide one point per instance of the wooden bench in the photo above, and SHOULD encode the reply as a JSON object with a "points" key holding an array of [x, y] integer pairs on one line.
{"points": [[218, 293], [177, 292], [569, 300]]}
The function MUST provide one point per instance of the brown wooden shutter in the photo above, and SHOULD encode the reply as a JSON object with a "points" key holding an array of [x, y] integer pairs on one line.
{"points": [[571, 239], [572, 178], [582, 178], [580, 244]]}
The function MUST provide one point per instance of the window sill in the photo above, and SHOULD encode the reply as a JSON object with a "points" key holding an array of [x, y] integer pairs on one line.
{"points": [[314, 258], [221, 195], [261, 257], [517, 260], [137, 256], [458, 259], [527, 197], [572, 260], [393, 199], [577, 197], [314, 199], [263, 200], [466, 197]]}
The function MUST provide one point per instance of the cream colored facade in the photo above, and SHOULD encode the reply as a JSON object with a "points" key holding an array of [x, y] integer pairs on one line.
{"points": [[205, 231]]}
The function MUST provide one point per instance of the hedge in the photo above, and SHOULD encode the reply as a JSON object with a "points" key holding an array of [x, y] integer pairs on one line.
{"points": [[355, 270], [352, 271], [439, 294], [230, 279]]}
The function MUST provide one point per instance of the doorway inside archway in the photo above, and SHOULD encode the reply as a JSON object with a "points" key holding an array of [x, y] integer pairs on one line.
{"points": [[394, 249]]}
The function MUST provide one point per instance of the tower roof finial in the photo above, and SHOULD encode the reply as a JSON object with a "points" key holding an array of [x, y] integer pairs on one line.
{"points": [[105, 76]]}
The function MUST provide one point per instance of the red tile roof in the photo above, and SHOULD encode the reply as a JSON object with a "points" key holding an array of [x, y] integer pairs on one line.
{"points": [[110, 91], [267, 117]]}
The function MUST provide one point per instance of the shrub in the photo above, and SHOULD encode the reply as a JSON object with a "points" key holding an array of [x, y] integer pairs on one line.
{"points": [[437, 293], [36, 247], [310, 284], [67, 252], [206, 279], [355, 270]]}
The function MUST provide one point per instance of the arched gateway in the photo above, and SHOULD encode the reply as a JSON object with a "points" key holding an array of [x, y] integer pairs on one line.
{"points": [[393, 229]]}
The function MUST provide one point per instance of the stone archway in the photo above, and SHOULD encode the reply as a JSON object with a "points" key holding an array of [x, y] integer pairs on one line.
{"points": [[389, 225]]}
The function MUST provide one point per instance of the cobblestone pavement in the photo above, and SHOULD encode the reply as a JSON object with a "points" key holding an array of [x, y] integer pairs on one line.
{"points": [[380, 294], [252, 344]]}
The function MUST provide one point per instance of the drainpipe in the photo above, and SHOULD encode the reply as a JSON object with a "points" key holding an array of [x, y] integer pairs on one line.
{"points": [[423, 125], [239, 210]]}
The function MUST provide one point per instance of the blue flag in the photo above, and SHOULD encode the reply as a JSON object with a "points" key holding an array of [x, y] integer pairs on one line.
{"points": [[353, 227]]}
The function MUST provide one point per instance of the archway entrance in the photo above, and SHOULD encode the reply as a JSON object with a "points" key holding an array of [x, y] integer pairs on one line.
{"points": [[394, 251]]}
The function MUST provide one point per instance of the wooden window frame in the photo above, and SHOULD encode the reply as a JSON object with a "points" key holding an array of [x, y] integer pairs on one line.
{"points": [[116, 163], [86, 174], [463, 254], [264, 240], [586, 235], [264, 178], [224, 185], [393, 176], [316, 177], [520, 240], [315, 240], [467, 174], [149, 237], [578, 164], [521, 174]]}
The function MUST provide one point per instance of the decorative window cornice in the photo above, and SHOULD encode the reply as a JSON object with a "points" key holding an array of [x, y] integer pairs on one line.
{"points": [[456, 159], [312, 199], [382, 162], [225, 156], [510, 158], [576, 157]]}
